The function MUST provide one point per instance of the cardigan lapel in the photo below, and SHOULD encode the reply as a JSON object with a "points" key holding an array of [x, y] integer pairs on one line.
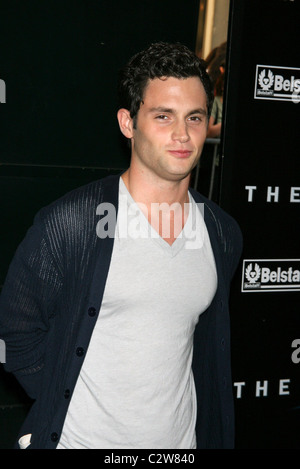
{"points": [[212, 228], [109, 195]]}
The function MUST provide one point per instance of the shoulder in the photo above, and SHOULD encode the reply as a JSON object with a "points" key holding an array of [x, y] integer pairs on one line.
{"points": [[94, 191], [225, 228], [71, 219], [83, 201], [225, 235], [213, 210]]}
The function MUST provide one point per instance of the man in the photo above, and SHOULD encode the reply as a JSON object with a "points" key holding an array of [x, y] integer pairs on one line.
{"points": [[119, 331]]}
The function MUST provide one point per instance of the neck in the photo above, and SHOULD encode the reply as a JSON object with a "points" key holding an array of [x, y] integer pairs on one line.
{"points": [[154, 190], [163, 203]]}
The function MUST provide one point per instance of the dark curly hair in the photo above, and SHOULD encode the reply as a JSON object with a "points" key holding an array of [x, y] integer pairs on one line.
{"points": [[159, 60]]}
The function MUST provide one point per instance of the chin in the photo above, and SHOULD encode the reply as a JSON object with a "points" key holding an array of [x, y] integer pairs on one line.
{"points": [[178, 176]]}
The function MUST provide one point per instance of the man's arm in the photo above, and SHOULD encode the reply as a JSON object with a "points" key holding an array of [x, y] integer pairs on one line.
{"points": [[26, 306]]}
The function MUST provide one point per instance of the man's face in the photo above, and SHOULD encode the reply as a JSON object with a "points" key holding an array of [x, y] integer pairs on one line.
{"points": [[171, 128]]}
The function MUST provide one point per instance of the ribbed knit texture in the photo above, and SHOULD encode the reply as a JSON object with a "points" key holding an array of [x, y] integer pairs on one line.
{"points": [[58, 273]]}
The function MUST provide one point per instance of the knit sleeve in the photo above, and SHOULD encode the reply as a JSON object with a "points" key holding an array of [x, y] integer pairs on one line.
{"points": [[231, 241], [27, 304]]}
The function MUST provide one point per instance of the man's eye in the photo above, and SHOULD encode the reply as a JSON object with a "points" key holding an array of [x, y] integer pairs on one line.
{"points": [[195, 118], [162, 117]]}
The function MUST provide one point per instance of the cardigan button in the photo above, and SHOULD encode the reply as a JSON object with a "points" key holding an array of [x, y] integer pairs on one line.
{"points": [[79, 351], [223, 343], [54, 437], [92, 311], [67, 394]]}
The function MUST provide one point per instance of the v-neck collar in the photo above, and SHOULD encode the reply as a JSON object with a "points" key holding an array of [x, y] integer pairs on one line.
{"points": [[149, 231]]}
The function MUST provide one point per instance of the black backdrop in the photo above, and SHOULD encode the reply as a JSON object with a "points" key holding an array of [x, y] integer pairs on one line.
{"points": [[261, 188], [59, 60]]}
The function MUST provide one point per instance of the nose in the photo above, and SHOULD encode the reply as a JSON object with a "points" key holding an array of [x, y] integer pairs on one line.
{"points": [[180, 132]]}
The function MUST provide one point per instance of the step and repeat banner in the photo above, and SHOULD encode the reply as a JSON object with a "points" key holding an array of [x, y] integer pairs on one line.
{"points": [[261, 189]]}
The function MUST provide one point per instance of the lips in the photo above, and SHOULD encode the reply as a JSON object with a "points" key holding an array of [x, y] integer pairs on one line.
{"points": [[181, 153]]}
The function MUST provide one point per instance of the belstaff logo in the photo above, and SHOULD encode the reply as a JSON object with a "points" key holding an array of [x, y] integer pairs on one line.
{"points": [[265, 82], [271, 275], [277, 83], [252, 274]]}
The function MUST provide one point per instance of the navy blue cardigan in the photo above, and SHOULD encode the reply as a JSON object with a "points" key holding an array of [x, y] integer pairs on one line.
{"points": [[51, 300]]}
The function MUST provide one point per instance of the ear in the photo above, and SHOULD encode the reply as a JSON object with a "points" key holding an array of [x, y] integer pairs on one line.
{"points": [[125, 123]]}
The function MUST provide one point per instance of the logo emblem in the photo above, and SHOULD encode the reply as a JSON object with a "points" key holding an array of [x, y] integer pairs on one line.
{"points": [[269, 275], [277, 83], [252, 275], [265, 82]]}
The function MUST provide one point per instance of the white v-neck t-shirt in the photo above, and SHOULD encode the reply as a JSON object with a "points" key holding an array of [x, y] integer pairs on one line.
{"points": [[136, 387]]}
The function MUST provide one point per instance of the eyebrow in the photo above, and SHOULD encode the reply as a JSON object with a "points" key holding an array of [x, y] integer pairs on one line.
{"points": [[171, 111]]}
